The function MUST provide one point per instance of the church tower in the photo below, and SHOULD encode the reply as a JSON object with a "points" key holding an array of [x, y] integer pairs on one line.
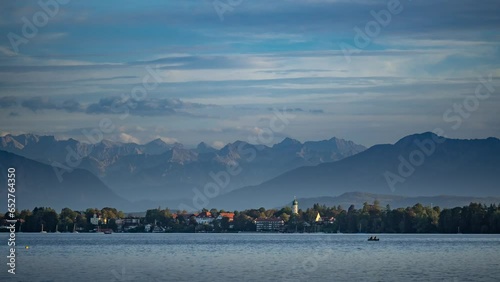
{"points": [[295, 206]]}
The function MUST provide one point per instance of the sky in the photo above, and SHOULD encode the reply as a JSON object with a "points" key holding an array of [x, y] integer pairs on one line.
{"points": [[188, 71]]}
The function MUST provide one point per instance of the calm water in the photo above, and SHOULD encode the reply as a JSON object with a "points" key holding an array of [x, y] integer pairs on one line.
{"points": [[252, 257]]}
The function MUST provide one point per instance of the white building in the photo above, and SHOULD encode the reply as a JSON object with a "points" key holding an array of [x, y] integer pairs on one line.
{"points": [[269, 224], [204, 218]]}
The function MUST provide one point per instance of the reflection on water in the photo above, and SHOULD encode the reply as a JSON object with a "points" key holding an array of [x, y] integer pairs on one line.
{"points": [[252, 257]]}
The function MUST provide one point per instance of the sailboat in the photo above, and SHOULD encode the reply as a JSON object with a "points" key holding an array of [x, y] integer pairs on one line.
{"points": [[43, 230]]}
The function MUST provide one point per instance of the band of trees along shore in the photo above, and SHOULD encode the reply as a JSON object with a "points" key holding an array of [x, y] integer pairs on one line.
{"points": [[371, 218]]}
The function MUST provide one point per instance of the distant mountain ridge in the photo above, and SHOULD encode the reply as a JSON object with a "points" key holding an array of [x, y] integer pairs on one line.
{"points": [[312, 171], [158, 170], [395, 201], [456, 167], [37, 185]]}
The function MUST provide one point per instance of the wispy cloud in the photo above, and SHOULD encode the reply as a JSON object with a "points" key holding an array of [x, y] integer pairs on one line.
{"points": [[8, 101], [141, 107], [264, 54], [38, 103]]}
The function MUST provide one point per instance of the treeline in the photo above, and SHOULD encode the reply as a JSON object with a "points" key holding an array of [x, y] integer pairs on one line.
{"points": [[370, 218], [66, 221]]}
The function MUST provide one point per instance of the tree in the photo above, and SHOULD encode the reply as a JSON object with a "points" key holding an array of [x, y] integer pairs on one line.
{"points": [[67, 218], [243, 222], [285, 217], [214, 212], [192, 221], [224, 223]]}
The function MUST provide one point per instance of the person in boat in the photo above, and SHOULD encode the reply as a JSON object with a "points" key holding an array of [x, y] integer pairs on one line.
{"points": [[371, 238]]}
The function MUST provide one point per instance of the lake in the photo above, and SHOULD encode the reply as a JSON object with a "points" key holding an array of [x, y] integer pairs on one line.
{"points": [[252, 257]]}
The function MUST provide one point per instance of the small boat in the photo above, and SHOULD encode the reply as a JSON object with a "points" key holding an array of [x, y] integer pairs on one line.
{"points": [[108, 232], [373, 239]]}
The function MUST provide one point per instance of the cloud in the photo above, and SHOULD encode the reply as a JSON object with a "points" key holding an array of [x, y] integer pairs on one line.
{"points": [[300, 110], [316, 111], [39, 103], [109, 105], [168, 140], [6, 51], [218, 144], [127, 138], [141, 107], [265, 53], [8, 101]]}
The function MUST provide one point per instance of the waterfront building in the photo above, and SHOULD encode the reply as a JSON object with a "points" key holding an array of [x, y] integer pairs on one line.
{"points": [[229, 215], [204, 218], [269, 224]]}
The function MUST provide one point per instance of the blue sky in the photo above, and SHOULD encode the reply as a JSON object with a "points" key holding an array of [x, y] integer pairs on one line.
{"points": [[219, 75]]}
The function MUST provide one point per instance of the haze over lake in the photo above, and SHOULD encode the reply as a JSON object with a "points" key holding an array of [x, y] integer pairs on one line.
{"points": [[255, 257]]}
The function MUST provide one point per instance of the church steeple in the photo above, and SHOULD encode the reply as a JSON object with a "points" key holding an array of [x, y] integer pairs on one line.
{"points": [[295, 206]]}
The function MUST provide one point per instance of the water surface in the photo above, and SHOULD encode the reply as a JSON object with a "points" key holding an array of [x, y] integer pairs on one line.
{"points": [[252, 257]]}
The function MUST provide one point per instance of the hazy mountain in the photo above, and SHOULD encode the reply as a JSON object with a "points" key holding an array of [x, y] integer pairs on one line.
{"points": [[37, 184], [453, 167], [203, 148], [47, 149], [160, 171], [157, 147], [395, 201], [157, 173]]}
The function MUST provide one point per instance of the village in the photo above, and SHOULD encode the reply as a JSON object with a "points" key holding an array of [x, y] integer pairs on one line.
{"points": [[289, 219], [160, 221]]}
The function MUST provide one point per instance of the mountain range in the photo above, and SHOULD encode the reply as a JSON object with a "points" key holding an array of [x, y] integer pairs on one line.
{"points": [[37, 184], [162, 172], [394, 201], [134, 177], [417, 165]]}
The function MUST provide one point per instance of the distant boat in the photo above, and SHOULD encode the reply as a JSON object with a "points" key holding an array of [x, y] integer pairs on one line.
{"points": [[373, 239], [108, 232]]}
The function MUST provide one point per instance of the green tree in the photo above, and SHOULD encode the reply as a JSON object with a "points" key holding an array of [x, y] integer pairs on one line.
{"points": [[67, 218]]}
